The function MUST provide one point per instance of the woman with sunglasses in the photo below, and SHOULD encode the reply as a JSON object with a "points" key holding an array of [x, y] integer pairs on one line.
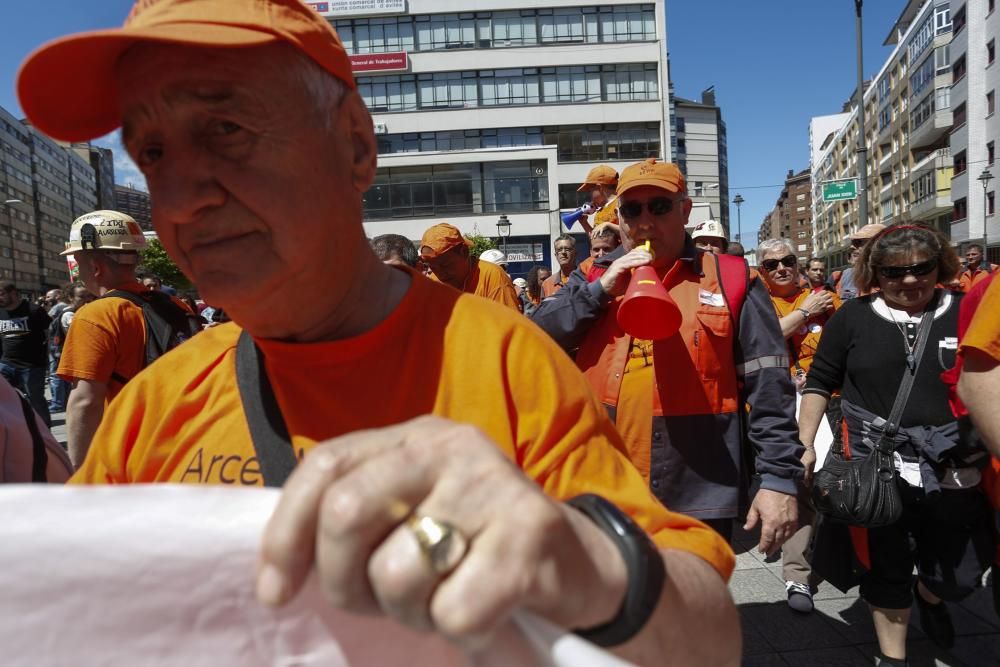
{"points": [[866, 348]]}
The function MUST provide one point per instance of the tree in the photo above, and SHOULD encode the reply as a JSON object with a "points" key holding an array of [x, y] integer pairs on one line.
{"points": [[480, 243], [156, 260]]}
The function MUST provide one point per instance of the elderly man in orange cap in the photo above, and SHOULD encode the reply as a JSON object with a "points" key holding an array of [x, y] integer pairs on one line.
{"points": [[679, 401], [446, 252], [424, 494]]}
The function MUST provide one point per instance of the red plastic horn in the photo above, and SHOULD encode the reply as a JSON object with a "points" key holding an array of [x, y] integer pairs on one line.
{"points": [[647, 311]]}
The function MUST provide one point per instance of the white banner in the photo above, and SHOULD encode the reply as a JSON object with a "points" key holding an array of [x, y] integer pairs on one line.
{"points": [[525, 252], [337, 8], [164, 575]]}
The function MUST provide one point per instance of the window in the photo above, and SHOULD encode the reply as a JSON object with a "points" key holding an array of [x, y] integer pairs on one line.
{"points": [[990, 102], [959, 117], [990, 152], [961, 163], [958, 69], [989, 203], [471, 188], [942, 19], [991, 5], [961, 211], [942, 60], [884, 118], [681, 126], [884, 88], [923, 77], [921, 39], [550, 85], [991, 52], [923, 187], [958, 21]]}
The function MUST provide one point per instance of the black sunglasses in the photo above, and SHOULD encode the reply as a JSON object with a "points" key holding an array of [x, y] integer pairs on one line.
{"points": [[772, 264], [919, 269], [656, 206]]}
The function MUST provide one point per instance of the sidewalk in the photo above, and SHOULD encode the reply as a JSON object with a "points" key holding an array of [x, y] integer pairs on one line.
{"points": [[839, 631]]}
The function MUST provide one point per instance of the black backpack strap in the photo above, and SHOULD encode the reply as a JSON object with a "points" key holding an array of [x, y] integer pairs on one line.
{"points": [[910, 374], [40, 457], [268, 431]]}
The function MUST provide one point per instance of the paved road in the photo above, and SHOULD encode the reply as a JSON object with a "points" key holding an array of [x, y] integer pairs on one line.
{"points": [[838, 632]]}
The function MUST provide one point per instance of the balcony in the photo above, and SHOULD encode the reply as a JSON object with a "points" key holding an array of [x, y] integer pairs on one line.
{"points": [[930, 130], [938, 159]]}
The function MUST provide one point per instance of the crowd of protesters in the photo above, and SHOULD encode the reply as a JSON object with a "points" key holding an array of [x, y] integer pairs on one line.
{"points": [[609, 469]]}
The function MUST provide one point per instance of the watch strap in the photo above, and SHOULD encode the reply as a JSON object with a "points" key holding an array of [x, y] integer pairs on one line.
{"points": [[646, 572]]}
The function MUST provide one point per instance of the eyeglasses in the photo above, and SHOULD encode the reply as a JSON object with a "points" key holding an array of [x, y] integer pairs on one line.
{"points": [[771, 264], [919, 269], [656, 206]]}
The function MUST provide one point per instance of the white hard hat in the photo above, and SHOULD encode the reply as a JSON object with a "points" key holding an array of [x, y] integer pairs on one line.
{"points": [[104, 230], [709, 228], [494, 257], [521, 282]]}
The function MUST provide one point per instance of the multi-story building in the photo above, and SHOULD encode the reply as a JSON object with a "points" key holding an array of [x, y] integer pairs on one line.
{"points": [[134, 202], [908, 116], [501, 109], [976, 125], [18, 234], [47, 186], [103, 163], [702, 154], [791, 217]]}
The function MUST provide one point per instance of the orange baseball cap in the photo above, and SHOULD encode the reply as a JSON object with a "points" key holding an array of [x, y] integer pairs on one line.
{"points": [[440, 239], [67, 87], [664, 175], [598, 176]]}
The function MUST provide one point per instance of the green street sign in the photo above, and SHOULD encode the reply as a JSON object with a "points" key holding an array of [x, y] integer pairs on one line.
{"points": [[840, 190]]}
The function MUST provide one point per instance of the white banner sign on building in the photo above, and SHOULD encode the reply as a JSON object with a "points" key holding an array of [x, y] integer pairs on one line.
{"points": [[337, 8], [525, 252]]}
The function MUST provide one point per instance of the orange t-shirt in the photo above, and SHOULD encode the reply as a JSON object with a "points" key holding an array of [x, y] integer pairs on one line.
{"points": [[184, 422], [553, 284], [108, 337], [490, 282], [806, 339], [970, 279], [984, 331]]}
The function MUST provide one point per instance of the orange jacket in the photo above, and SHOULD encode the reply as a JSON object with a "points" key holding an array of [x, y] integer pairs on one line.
{"points": [[704, 376]]}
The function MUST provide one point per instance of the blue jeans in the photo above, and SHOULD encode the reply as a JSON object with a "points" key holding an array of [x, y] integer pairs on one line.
{"points": [[58, 388], [31, 381]]}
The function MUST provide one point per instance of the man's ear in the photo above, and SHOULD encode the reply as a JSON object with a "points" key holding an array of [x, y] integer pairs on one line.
{"points": [[686, 207], [365, 148]]}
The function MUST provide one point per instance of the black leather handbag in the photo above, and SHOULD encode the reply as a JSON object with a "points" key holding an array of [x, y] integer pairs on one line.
{"points": [[863, 491]]}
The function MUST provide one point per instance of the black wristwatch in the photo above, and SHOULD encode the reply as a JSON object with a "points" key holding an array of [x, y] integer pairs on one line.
{"points": [[646, 572]]}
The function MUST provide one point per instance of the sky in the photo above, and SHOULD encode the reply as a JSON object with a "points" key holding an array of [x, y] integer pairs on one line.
{"points": [[774, 64]]}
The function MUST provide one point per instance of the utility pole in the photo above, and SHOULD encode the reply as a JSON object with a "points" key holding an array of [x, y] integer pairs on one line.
{"points": [[862, 141]]}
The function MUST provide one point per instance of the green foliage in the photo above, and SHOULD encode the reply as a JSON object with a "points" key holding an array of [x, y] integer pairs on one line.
{"points": [[480, 243], [156, 260]]}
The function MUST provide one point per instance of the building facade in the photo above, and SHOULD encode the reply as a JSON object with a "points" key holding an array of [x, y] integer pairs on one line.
{"points": [[18, 233], [791, 217], [103, 163], [135, 203], [503, 109], [907, 122], [701, 153], [976, 125]]}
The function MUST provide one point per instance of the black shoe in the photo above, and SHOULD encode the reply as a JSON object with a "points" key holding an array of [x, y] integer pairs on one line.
{"points": [[935, 621], [890, 662]]}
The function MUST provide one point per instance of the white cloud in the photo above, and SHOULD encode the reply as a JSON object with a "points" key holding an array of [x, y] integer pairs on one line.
{"points": [[126, 173]]}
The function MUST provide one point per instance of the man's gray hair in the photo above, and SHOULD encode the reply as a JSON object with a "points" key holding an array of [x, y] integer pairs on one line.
{"points": [[776, 245], [326, 90]]}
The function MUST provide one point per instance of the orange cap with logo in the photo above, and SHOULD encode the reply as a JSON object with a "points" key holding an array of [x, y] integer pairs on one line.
{"points": [[598, 176], [663, 175], [441, 238], [67, 87]]}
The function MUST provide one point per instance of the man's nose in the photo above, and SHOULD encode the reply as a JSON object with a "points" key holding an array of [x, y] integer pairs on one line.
{"points": [[184, 185]]}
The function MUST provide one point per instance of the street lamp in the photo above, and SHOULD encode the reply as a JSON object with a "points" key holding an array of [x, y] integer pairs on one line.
{"points": [[503, 231], [985, 177], [738, 200], [10, 228]]}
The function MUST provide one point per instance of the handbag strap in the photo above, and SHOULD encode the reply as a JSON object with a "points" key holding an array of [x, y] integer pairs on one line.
{"points": [[903, 395], [267, 426]]}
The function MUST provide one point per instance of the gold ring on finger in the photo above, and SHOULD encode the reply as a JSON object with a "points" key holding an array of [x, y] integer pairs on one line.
{"points": [[442, 545]]}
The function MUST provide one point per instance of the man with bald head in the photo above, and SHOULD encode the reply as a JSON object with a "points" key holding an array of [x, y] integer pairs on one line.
{"points": [[437, 499]]}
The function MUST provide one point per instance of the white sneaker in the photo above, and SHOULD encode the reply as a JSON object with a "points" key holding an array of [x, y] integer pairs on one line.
{"points": [[800, 597]]}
